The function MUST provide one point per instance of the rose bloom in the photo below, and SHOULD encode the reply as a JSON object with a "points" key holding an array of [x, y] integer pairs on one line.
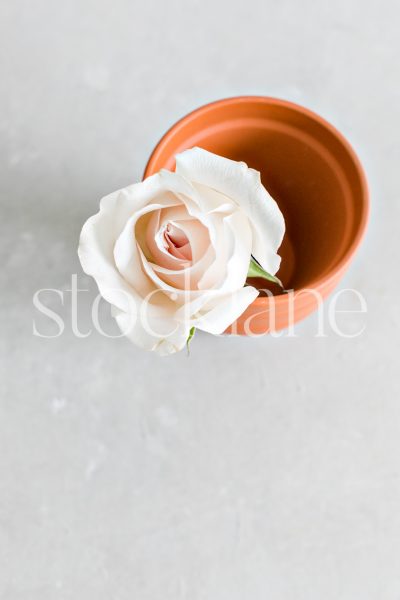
{"points": [[173, 252]]}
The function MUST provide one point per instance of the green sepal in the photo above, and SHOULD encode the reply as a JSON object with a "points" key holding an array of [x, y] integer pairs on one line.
{"points": [[189, 339], [256, 270]]}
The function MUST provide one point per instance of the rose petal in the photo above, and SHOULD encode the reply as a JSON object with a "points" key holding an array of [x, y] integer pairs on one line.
{"points": [[159, 333], [96, 255], [100, 232], [235, 180], [189, 276], [214, 312], [233, 248]]}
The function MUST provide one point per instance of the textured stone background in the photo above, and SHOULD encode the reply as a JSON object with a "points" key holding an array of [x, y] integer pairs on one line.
{"points": [[256, 469]]}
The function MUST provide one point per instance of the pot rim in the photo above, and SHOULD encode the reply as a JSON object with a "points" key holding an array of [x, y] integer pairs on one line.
{"points": [[338, 268]]}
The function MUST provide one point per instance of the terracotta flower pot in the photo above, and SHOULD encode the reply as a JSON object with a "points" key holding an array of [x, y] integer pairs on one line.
{"points": [[313, 174]]}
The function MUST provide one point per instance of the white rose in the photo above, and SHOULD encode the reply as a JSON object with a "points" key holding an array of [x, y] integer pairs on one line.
{"points": [[173, 252]]}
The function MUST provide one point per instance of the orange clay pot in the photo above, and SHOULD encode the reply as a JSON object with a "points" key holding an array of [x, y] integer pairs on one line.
{"points": [[309, 169]]}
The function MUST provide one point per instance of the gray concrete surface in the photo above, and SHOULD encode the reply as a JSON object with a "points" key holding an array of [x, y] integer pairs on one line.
{"points": [[256, 469]]}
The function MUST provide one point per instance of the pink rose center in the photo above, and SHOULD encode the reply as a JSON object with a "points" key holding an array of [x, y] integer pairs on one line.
{"points": [[176, 242]]}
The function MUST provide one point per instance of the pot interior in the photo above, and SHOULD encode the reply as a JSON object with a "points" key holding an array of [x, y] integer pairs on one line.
{"points": [[304, 165]]}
